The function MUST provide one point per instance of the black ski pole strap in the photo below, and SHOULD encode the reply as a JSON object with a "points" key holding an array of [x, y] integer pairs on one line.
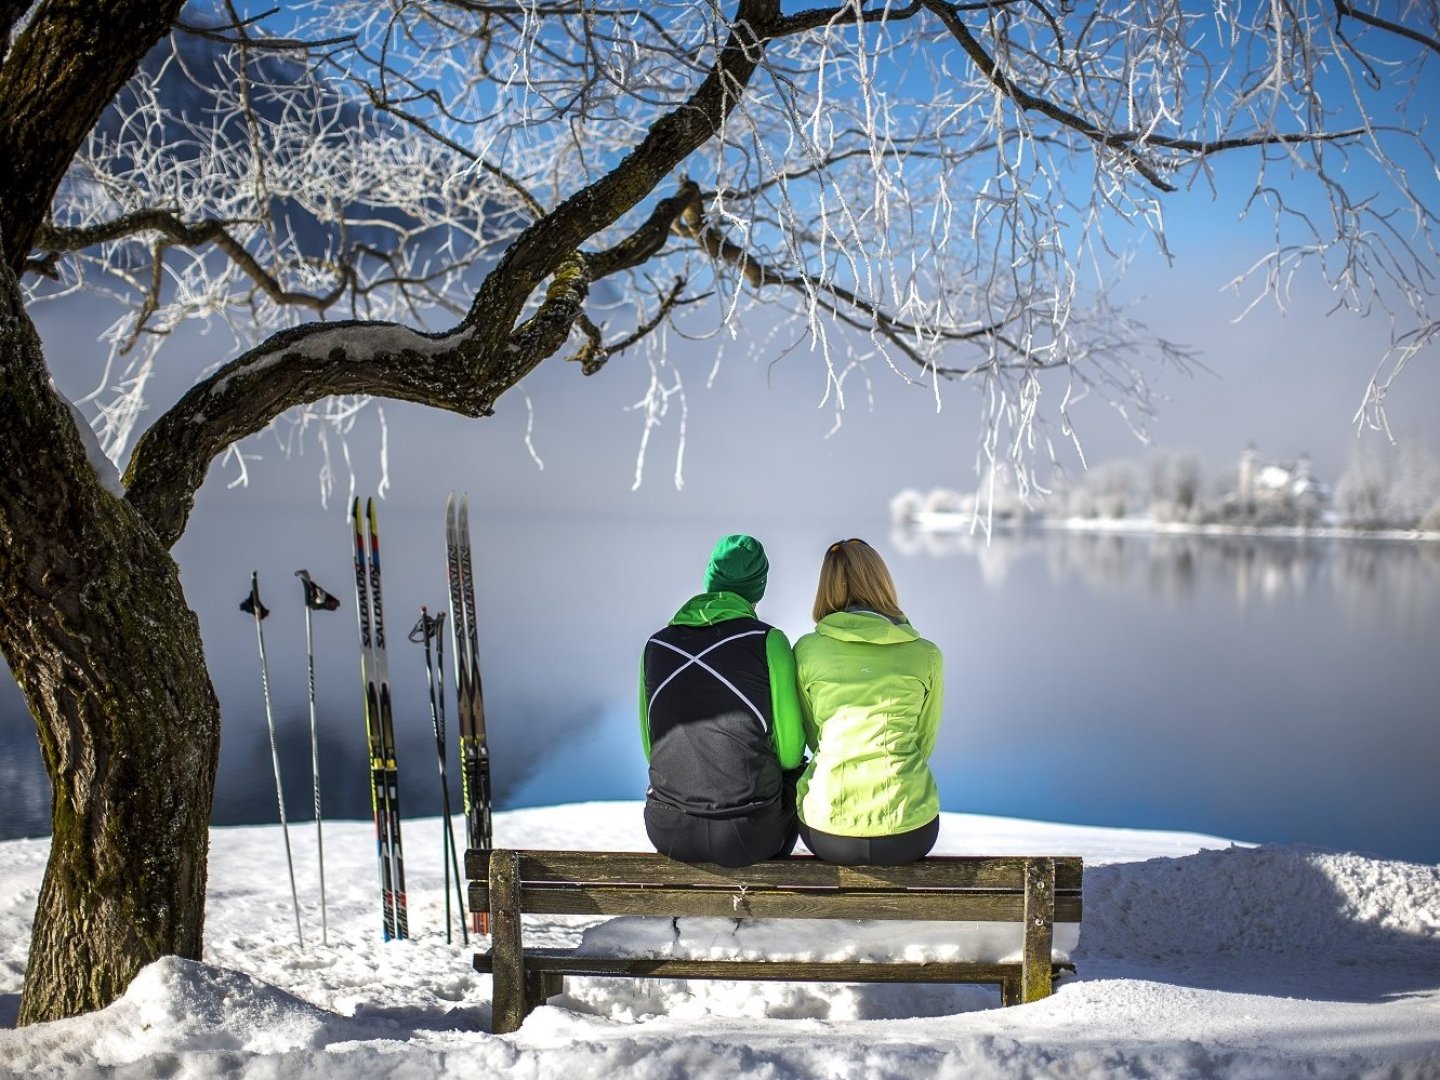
{"points": [[251, 605], [316, 598], [427, 627]]}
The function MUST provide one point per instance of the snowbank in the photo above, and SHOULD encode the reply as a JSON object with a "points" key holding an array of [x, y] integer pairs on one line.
{"points": [[1197, 959]]}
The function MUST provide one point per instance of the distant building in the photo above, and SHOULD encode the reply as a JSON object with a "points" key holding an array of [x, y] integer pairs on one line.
{"points": [[1274, 485]]}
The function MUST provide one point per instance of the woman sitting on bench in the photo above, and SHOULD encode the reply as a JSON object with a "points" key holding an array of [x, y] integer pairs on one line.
{"points": [[870, 695]]}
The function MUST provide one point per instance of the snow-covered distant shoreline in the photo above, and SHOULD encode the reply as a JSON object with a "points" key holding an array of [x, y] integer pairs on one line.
{"points": [[945, 522], [1197, 958]]}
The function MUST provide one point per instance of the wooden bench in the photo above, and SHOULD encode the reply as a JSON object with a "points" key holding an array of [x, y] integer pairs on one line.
{"points": [[1036, 892]]}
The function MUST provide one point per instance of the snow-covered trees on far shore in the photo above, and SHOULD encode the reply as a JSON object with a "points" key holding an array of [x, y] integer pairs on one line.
{"points": [[1396, 486], [1395, 489]]}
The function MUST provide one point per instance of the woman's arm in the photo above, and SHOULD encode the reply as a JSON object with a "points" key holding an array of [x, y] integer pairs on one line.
{"points": [[934, 702]]}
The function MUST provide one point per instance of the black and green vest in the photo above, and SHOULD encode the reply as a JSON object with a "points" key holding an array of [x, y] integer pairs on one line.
{"points": [[707, 708]]}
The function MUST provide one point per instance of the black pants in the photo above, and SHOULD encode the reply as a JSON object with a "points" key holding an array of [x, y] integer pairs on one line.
{"points": [[894, 850], [767, 833]]}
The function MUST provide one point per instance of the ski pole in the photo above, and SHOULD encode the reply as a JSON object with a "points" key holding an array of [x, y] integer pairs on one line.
{"points": [[316, 599], [426, 629], [444, 778], [251, 605]]}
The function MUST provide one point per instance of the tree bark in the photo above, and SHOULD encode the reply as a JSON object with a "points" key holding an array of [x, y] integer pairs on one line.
{"points": [[109, 657], [59, 75]]}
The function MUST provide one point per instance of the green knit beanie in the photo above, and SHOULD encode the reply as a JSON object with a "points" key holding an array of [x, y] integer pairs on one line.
{"points": [[738, 565]]}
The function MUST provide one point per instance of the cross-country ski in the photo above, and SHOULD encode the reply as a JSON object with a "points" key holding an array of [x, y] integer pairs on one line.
{"points": [[379, 721], [470, 701]]}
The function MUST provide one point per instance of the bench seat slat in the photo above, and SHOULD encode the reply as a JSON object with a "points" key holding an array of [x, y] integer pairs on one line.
{"points": [[620, 867], [561, 962], [776, 903]]}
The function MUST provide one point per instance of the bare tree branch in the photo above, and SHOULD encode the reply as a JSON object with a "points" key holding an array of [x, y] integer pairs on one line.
{"points": [[594, 352], [1130, 141], [292, 368], [56, 241], [265, 44], [910, 203], [466, 370], [837, 299], [1344, 10], [671, 139]]}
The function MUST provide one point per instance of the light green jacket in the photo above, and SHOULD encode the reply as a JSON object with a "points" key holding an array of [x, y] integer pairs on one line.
{"points": [[870, 698]]}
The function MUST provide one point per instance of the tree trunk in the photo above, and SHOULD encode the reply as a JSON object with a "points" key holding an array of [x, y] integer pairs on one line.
{"points": [[98, 635]]}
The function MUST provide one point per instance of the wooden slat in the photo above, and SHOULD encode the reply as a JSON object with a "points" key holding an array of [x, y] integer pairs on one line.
{"points": [[623, 867], [563, 963], [777, 903]]}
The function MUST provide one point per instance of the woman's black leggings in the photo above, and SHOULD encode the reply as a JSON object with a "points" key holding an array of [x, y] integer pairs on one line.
{"points": [[894, 850]]}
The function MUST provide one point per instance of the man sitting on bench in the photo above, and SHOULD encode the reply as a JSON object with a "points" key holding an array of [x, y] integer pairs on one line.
{"points": [[720, 721]]}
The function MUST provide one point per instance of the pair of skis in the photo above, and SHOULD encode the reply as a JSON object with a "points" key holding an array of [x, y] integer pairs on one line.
{"points": [[379, 715], [470, 701], [379, 721]]}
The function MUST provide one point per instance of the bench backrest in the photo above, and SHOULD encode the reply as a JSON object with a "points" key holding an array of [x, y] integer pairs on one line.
{"points": [[978, 888]]}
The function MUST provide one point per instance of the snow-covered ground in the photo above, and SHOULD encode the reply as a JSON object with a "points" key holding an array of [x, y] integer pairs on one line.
{"points": [[1197, 958]]}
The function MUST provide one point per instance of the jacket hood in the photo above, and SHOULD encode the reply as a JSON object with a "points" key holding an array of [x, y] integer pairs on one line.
{"points": [[865, 626], [713, 607]]}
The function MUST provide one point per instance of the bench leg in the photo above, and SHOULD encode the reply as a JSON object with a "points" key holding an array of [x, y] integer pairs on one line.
{"points": [[1010, 990], [540, 987], [1039, 928], [508, 996]]}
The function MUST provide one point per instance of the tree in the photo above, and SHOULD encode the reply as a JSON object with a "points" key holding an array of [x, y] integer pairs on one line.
{"points": [[425, 199], [1174, 487]]}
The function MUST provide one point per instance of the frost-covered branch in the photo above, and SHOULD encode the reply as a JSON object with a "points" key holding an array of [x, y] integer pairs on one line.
{"points": [[594, 351], [466, 370], [293, 368], [935, 189], [55, 242], [1430, 40]]}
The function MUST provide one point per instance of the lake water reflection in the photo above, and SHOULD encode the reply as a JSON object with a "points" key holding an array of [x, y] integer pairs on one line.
{"points": [[1268, 690]]}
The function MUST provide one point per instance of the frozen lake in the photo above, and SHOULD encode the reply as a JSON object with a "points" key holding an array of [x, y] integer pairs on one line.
{"points": [[1262, 689]]}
